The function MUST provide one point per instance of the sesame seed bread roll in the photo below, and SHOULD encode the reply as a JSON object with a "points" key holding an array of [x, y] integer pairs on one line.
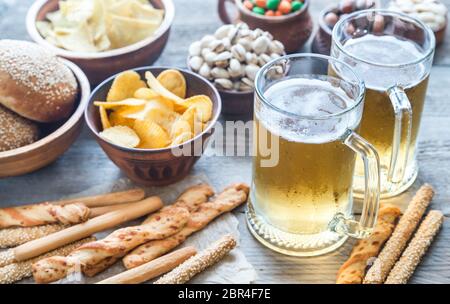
{"points": [[34, 83], [15, 131]]}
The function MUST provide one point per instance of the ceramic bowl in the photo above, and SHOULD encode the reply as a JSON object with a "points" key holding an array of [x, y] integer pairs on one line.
{"points": [[58, 136], [156, 167], [99, 66]]}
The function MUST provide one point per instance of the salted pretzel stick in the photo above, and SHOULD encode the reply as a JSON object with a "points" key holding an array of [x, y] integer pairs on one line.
{"points": [[152, 269], [105, 209], [192, 199], [17, 271], [402, 233], [107, 199], [37, 247], [352, 271], [230, 198], [416, 249], [199, 262]]}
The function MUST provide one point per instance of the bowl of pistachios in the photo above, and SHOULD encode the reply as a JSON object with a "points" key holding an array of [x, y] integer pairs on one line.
{"points": [[230, 58]]}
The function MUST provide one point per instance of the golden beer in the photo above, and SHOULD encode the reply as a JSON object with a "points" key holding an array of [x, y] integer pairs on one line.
{"points": [[378, 122]]}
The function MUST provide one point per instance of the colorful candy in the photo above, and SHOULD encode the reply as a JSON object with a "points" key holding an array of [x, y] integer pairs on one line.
{"points": [[272, 8]]}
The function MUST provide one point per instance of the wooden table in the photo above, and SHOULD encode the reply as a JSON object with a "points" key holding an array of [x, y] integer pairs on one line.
{"points": [[85, 164]]}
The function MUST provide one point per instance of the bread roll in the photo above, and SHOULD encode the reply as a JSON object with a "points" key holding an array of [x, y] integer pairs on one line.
{"points": [[34, 83], [15, 131]]}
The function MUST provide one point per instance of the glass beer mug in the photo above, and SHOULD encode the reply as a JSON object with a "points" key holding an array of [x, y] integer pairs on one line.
{"points": [[393, 54], [305, 146]]}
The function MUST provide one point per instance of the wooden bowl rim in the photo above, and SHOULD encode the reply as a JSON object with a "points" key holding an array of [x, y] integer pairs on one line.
{"points": [[211, 123], [275, 19], [169, 15], [84, 90]]}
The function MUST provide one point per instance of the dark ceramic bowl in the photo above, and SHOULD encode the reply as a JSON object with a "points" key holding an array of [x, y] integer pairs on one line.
{"points": [[293, 30], [156, 167], [57, 137], [99, 66]]}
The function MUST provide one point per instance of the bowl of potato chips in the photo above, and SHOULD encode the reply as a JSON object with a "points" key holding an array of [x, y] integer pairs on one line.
{"points": [[154, 123], [103, 37]]}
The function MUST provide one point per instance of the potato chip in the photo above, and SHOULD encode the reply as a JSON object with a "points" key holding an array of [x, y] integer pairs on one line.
{"points": [[104, 118], [173, 81], [151, 134], [183, 137], [145, 93], [119, 117], [131, 102], [124, 86], [154, 84], [202, 104], [121, 136], [187, 122]]}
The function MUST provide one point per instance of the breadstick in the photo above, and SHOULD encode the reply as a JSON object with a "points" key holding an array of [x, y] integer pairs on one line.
{"points": [[17, 271], [230, 198], [37, 247], [402, 233], [41, 214], [190, 199], [165, 223], [199, 262], [152, 269], [416, 249], [11, 237], [127, 196], [352, 271]]}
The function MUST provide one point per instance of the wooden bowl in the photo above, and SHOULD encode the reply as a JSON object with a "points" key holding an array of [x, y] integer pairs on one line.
{"points": [[99, 66], [60, 136], [293, 30], [156, 167]]}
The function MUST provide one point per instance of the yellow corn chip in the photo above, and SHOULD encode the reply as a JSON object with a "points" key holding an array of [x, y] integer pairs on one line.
{"points": [[121, 136], [124, 86], [173, 81], [104, 118], [151, 134]]}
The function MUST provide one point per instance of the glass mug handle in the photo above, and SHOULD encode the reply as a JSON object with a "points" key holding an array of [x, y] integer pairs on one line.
{"points": [[403, 111], [369, 155]]}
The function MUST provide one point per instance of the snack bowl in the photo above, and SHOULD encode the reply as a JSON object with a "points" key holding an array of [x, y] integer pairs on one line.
{"points": [[99, 66], [321, 43], [58, 136], [156, 167]]}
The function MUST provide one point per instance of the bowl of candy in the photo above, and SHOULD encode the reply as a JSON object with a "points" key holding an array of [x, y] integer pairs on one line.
{"points": [[154, 123], [103, 37], [329, 16], [288, 21], [230, 58]]}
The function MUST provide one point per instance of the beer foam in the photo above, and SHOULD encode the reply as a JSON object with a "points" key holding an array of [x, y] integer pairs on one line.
{"points": [[308, 97], [387, 50]]}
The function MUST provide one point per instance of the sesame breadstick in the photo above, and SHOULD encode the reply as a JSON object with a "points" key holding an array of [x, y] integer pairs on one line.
{"points": [[11, 237], [416, 249], [199, 262], [17, 271], [402, 233]]}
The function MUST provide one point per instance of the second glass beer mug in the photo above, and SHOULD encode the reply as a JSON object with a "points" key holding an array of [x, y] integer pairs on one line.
{"points": [[393, 54], [304, 143]]}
